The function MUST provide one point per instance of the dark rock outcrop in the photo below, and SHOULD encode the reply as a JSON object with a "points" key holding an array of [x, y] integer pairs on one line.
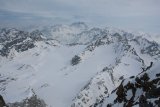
{"points": [[2, 102], [18, 40], [75, 60], [149, 89], [33, 101]]}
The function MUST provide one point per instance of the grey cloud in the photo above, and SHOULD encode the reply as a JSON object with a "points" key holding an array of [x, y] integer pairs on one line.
{"points": [[121, 13]]}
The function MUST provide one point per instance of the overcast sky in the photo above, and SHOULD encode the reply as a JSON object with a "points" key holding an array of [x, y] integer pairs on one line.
{"points": [[138, 15]]}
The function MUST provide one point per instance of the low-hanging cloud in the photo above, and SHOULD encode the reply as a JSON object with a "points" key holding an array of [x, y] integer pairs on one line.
{"points": [[129, 14]]}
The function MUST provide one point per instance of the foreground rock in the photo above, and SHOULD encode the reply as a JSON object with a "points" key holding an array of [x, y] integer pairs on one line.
{"points": [[140, 91], [29, 102], [2, 102]]}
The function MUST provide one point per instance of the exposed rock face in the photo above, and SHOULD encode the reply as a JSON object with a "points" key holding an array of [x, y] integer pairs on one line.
{"points": [[141, 91], [147, 47], [75, 60], [33, 101], [18, 40], [29, 102], [2, 102]]}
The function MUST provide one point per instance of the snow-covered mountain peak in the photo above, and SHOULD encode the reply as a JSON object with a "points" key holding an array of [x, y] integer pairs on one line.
{"points": [[79, 25], [71, 65]]}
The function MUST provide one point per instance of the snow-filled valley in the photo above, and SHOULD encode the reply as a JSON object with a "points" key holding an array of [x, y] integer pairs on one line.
{"points": [[72, 65]]}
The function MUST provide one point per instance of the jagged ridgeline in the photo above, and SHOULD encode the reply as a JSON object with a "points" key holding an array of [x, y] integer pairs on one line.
{"points": [[18, 40], [74, 34], [77, 66]]}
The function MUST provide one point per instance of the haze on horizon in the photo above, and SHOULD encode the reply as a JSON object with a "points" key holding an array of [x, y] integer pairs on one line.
{"points": [[136, 15]]}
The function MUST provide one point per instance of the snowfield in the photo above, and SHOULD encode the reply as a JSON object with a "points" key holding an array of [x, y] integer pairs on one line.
{"points": [[45, 68]]}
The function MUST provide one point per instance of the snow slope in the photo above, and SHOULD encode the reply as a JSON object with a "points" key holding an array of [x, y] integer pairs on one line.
{"points": [[45, 68]]}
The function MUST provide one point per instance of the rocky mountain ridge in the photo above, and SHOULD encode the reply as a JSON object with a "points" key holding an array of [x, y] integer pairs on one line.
{"points": [[98, 60]]}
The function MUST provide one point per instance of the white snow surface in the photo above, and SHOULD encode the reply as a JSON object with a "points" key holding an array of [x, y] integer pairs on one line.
{"points": [[47, 70]]}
